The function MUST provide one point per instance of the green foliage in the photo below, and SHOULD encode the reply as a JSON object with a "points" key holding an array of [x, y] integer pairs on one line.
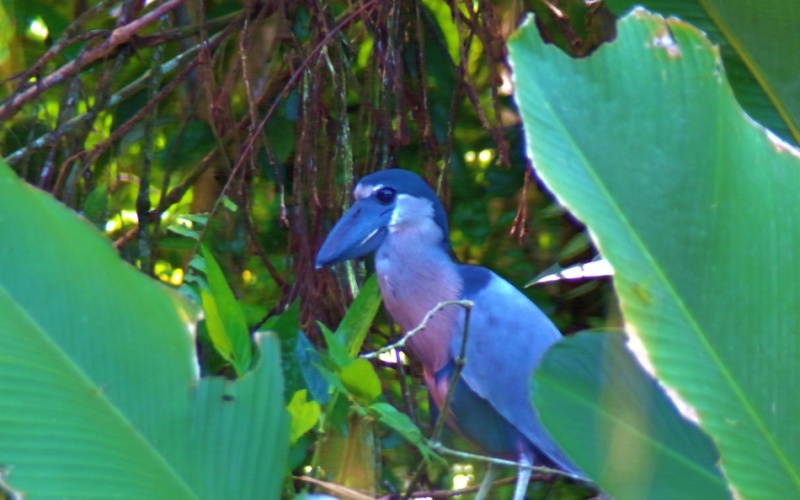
{"points": [[629, 437], [225, 319], [100, 390], [693, 205], [361, 381], [356, 379], [359, 317], [391, 417], [304, 413], [759, 46], [337, 351], [238, 128]]}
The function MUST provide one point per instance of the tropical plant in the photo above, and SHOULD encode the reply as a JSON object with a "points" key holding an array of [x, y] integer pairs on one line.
{"points": [[210, 145]]}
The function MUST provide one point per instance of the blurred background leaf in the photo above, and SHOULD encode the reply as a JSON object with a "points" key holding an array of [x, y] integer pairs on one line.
{"points": [[631, 439]]}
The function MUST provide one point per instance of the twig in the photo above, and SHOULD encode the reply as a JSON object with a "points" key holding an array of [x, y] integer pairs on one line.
{"points": [[494, 49], [519, 228], [337, 489], [124, 93], [147, 237], [52, 52], [469, 84], [259, 251], [435, 494], [174, 196], [249, 145], [255, 133], [69, 36], [448, 399], [129, 235], [405, 389], [440, 448], [183, 32], [119, 36], [423, 324], [460, 362], [92, 154]]}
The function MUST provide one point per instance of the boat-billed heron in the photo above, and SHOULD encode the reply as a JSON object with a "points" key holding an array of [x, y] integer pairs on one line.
{"points": [[400, 218]]}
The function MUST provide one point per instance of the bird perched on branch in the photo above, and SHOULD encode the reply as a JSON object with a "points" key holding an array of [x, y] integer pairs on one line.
{"points": [[400, 218]]}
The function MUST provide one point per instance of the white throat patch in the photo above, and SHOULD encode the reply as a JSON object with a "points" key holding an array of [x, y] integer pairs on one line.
{"points": [[410, 211]]}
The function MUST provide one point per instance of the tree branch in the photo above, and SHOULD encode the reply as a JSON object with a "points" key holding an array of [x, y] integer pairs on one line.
{"points": [[116, 38], [423, 324]]}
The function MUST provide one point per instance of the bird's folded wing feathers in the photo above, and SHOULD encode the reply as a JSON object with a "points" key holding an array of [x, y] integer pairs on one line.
{"points": [[508, 335]]}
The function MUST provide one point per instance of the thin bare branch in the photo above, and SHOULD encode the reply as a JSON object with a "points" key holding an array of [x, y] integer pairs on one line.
{"points": [[337, 489], [435, 494], [441, 449], [423, 324], [116, 38], [124, 93]]}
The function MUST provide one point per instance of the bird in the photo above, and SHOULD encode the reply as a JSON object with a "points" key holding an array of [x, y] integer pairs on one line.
{"points": [[397, 216]]}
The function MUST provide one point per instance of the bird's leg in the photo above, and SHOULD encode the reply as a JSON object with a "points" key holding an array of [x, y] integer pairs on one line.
{"points": [[486, 484], [523, 476]]}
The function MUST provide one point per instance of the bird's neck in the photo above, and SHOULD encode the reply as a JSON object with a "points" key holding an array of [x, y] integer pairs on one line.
{"points": [[414, 277]]}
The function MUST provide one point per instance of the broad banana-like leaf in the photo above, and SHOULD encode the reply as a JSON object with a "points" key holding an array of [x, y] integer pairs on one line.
{"points": [[695, 206], [100, 394], [760, 49]]}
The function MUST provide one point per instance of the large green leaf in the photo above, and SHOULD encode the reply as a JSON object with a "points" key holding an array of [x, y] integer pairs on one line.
{"points": [[99, 388], [695, 207], [760, 48], [764, 34], [631, 439]]}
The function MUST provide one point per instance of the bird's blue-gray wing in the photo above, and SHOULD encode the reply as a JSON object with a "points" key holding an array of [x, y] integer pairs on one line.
{"points": [[508, 335]]}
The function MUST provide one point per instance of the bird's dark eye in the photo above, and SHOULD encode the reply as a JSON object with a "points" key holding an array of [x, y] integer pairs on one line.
{"points": [[385, 195]]}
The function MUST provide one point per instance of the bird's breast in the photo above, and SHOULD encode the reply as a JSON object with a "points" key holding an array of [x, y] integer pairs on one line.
{"points": [[412, 285]]}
